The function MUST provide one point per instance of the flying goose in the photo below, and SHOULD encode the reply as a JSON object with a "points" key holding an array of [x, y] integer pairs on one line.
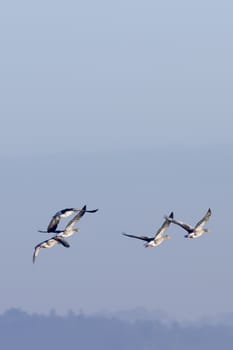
{"points": [[69, 229], [158, 237], [193, 231], [49, 243], [52, 226]]}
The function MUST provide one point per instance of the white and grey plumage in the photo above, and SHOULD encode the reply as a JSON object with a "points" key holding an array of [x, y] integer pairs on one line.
{"points": [[49, 243], [158, 237], [52, 226], [69, 229], [194, 231]]}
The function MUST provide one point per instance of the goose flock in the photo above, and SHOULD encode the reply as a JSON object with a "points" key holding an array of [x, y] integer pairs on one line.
{"points": [[159, 237], [59, 236]]}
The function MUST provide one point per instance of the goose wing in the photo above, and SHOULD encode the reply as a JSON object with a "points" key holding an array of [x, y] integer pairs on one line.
{"points": [[204, 219], [57, 217], [53, 223], [143, 238], [62, 241], [182, 224], [52, 226], [49, 243], [164, 226], [76, 218], [92, 211], [36, 252]]}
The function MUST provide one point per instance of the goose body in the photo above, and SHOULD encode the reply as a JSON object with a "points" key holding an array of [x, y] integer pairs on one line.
{"points": [[69, 229], [158, 237], [193, 231]]}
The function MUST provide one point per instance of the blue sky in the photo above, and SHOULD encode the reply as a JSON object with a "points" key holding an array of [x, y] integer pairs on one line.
{"points": [[130, 75], [126, 107]]}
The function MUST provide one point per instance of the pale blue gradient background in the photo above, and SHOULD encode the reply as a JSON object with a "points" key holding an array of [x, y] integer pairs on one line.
{"points": [[126, 107]]}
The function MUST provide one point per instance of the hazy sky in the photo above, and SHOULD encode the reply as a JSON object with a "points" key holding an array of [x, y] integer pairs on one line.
{"points": [[126, 107], [96, 76]]}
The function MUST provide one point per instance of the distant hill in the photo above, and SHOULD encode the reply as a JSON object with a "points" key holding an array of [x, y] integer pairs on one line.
{"points": [[19, 330]]}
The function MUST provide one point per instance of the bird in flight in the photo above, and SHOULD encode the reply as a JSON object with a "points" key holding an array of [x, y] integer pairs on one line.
{"points": [[52, 226], [193, 231], [69, 229], [59, 236], [158, 237], [49, 243]]}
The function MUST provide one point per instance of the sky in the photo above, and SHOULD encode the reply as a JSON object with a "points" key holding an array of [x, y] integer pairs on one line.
{"points": [[125, 107]]}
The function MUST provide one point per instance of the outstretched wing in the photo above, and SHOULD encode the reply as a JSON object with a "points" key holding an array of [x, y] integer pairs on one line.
{"points": [[76, 218], [164, 226], [143, 238], [204, 219], [92, 211], [49, 243], [185, 226], [57, 217], [52, 226], [36, 252], [62, 241], [53, 223]]}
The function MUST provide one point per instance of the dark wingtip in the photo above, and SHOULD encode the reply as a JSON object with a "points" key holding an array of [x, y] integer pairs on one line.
{"points": [[171, 216], [62, 241], [92, 211], [66, 244], [83, 210]]}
